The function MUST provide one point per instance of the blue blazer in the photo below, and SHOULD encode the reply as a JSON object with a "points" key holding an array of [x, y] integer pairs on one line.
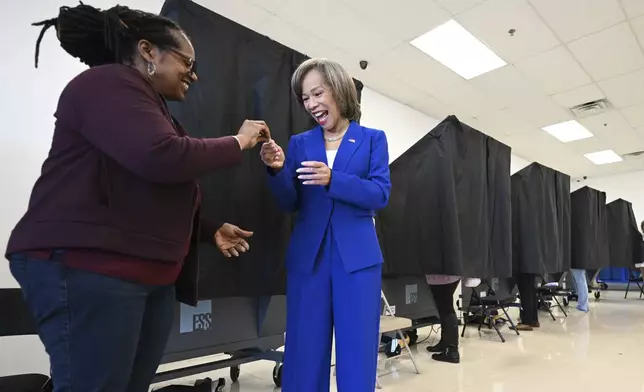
{"points": [[360, 185]]}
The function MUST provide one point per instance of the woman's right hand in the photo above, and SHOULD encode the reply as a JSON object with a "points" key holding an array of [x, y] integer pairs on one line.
{"points": [[272, 155], [253, 132]]}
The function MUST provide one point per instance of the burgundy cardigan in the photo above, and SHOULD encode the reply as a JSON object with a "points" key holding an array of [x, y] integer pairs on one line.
{"points": [[121, 179]]}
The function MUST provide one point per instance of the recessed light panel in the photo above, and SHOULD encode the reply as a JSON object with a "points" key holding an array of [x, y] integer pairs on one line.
{"points": [[568, 131], [457, 49], [603, 157]]}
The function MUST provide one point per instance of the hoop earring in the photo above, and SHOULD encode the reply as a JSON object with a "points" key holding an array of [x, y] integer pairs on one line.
{"points": [[152, 69]]}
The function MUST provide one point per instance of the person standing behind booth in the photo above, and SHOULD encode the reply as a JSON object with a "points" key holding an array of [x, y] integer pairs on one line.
{"points": [[335, 176], [113, 221]]}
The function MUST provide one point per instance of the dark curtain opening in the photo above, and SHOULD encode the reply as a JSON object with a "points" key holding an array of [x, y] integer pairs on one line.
{"points": [[541, 220], [625, 238], [589, 229], [449, 211], [242, 75]]}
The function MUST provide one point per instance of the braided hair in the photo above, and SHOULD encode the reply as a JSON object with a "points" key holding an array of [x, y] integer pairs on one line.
{"points": [[99, 37]]}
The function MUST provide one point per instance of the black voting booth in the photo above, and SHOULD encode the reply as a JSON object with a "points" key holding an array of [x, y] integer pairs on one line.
{"points": [[541, 220], [625, 238], [242, 308], [589, 230], [449, 211]]}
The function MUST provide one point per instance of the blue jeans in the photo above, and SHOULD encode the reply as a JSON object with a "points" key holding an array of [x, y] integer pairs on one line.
{"points": [[581, 287], [102, 334]]}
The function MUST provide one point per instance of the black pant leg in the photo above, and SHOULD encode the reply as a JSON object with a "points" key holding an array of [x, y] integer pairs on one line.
{"points": [[444, 299], [528, 292]]}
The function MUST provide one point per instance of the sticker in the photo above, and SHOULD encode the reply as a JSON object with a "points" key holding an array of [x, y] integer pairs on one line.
{"points": [[198, 318]]}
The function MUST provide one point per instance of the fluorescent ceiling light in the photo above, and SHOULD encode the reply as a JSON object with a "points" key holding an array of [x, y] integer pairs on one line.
{"points": [[457, 49], [568, 131], [603, 157]]}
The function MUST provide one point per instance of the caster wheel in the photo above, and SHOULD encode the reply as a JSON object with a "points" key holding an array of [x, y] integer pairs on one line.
{"points": [[598, 295], [565, 301], [234, 373], [277, 374]]}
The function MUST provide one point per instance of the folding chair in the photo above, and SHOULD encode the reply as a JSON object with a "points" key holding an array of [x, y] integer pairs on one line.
{"points": [[390, 323], [634, 277], [16, 320], [483, 305], [549, 291]]}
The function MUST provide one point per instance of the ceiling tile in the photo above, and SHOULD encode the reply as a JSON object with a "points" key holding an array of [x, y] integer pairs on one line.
{"points": [[572, 19], [588, 93], [540, 111], [585, 146], [615, 132], [542, 147], [418, 69], [405, 23], [505, 122], [458, 6], [554, 71], [491, 21], [349, 31], [633, 8], [270, 5], [634, 115], [472, 101], [609, 53], [638, 27], [626, 90], [300, 40], [507, 85]]}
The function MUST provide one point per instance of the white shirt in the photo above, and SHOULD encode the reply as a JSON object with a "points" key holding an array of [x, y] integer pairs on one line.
{"points": [[330, 157]]}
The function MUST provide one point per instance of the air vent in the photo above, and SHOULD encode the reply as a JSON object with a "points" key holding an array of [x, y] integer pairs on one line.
{"points": [[590, 108]]}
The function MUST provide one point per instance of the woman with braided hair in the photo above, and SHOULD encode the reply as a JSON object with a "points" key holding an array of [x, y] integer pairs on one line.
{"points": [[111, 232]]}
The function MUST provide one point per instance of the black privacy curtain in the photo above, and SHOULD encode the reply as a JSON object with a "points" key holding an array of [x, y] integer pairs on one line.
{"points": [[449, 211], [589, 229], [242, 75], [624, 236], [540, 221]]}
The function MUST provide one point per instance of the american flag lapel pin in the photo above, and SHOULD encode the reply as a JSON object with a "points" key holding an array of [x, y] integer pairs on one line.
{"points": [[352, 140]]}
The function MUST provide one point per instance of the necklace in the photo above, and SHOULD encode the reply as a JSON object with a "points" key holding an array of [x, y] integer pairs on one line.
{"points": [[334, 138]]}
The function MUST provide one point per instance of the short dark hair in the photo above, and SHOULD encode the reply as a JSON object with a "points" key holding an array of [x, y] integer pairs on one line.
{"points": [[99, 37], [341, 84]]}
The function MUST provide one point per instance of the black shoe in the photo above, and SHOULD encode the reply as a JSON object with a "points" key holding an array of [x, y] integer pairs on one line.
{"points": [[438, 348], [450, 355]]}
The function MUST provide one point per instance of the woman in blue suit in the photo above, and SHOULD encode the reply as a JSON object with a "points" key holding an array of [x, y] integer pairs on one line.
{"points": [[335, 176]]}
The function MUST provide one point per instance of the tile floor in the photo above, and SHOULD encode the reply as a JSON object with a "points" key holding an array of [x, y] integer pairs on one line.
{"points": [[599, 351]]}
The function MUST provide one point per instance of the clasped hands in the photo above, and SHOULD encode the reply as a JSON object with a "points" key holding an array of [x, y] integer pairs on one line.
{"points": [[311, 172], [230, 239]]}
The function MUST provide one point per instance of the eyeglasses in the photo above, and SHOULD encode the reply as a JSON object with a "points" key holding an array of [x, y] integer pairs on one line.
{"points": [[187, 60]]}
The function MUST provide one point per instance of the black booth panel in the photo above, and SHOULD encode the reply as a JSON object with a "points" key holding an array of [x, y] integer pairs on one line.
{"points": [[242, 75], [625, 239], [540, 221], [589, 230], [224, 325], [449, 210]]}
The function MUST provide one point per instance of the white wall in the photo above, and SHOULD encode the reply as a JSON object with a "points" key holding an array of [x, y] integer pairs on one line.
{"points": [[628, 186]]}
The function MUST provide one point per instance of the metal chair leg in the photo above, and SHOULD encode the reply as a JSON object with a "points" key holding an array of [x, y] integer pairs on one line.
{"points": [[507, 316], [411, 355]]}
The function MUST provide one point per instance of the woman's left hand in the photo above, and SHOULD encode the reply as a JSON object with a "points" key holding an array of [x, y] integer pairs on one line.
{"points": [[314, 173], [231, 240]]}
